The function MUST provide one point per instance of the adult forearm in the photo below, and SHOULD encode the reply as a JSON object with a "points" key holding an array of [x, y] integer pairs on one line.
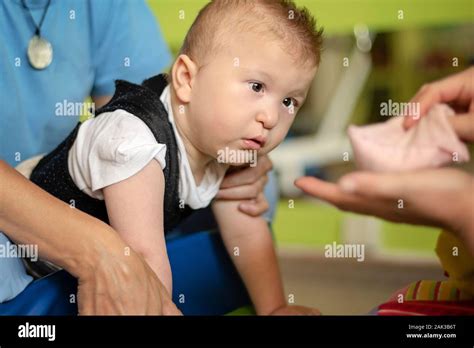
{"points": [[64, 235]]}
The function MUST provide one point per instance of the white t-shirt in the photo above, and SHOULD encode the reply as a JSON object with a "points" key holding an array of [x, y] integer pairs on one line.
{"points": [[117, 145]]}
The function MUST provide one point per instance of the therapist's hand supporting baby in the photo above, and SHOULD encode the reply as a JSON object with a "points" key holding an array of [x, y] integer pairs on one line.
{"points": [[247, 185], [111, 281], [123, 285]]}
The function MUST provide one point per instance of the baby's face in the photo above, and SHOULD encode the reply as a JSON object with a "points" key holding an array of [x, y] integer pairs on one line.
{"points": [[247, 96]]}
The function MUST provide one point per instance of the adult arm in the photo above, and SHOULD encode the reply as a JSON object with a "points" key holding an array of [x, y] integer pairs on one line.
{"points": [[434, 197], [110, 282]]}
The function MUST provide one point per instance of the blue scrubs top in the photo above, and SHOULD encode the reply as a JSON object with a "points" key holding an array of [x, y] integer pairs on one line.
{"points": [[94, 43]]}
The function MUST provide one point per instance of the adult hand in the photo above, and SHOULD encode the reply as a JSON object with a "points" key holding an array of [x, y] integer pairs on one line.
{"points": [[111, 281], [123, 286], [247, 184], [435, 197], [457, 90]]}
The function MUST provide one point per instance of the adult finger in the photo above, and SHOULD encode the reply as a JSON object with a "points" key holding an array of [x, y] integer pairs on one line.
{"points": [[464, 126], [347, 199], [329, 192], [248, 175], [457, 87], [255, 207], [249, 191]]}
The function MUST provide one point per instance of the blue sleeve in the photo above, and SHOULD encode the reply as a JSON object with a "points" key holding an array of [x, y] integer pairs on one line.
{"points": [[127, 44]]}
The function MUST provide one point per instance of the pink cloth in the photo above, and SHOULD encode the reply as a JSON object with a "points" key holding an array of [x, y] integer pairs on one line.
{"points": [[387, 147]]}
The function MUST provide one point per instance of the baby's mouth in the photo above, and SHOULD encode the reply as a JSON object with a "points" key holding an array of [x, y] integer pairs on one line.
{"points": [[255, 143]]}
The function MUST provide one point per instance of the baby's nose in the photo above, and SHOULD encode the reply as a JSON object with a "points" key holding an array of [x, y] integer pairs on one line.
{"points": [[268, 118]]}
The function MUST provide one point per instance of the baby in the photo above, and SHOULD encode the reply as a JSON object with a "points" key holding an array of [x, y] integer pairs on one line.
{"points": [[158, 151]]}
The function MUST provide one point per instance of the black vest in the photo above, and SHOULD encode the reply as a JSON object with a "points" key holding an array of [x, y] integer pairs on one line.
{"points": [[143, 101]]}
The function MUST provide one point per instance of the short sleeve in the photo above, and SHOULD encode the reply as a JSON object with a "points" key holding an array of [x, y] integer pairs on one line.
{"points": [[122, 146], [127, 44]]}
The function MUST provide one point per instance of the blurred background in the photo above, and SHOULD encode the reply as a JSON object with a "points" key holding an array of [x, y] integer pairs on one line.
{"points": [[374, 50]]}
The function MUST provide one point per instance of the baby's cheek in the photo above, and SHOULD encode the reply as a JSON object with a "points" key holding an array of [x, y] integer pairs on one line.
{"points": [[229, 120], [221, 125], [220, 131], [277, 135], [281, 131]]}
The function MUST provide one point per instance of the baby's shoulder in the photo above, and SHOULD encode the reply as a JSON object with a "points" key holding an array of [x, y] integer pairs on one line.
{"points": [[115, 126]]}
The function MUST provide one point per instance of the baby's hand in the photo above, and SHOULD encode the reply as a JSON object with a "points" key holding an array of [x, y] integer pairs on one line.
{"points": [[295, 310]]}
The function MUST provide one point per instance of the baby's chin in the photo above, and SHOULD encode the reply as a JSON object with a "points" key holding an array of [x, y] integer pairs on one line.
{"points": [[243, 164], [237, 157]]}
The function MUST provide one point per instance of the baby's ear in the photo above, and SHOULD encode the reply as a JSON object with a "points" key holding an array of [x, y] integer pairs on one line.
{"points": [[183, 72]]}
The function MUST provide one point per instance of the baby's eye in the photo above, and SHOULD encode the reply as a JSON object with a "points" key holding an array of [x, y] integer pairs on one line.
{"points": [[290, 102], [256, 87]]}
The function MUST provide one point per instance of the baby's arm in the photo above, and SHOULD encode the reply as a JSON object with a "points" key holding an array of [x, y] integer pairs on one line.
{"points": [[135, 210], [255, 257]]}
